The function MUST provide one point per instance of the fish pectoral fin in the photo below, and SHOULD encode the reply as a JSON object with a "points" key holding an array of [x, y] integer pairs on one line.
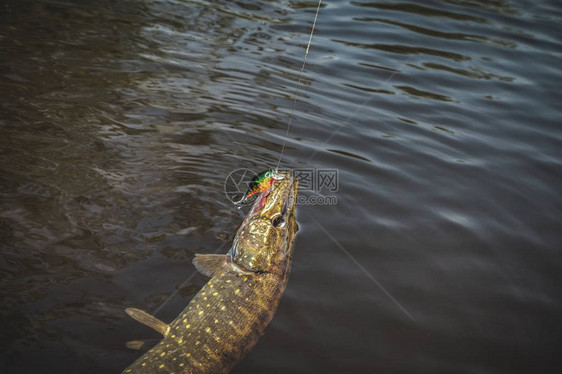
{"points": [[149, 320], [141, 345], [210, 264]]}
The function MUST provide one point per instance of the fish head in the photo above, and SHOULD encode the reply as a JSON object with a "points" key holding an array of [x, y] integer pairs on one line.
{"points": [[266, 235]]}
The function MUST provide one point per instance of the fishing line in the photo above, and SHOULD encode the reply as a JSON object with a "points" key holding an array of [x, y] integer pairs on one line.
{"points": [[176, 291], [362, 268], [358, 108], [298, 85]]}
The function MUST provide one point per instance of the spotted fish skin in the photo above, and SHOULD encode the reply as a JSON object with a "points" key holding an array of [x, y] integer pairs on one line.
{"points": [[229, 314], [220, 325]]}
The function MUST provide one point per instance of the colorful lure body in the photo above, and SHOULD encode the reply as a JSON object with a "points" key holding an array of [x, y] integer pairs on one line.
{"points": [[259, 183]]}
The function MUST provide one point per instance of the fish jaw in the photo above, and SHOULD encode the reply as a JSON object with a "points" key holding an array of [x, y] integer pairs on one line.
{"points": [[268, 230]]}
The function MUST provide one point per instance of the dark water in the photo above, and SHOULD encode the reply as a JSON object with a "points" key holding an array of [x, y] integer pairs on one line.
{"points": [[120, 121]]}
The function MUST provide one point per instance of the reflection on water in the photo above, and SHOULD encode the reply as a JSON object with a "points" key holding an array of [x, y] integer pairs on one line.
{"points": [[120, 121]]}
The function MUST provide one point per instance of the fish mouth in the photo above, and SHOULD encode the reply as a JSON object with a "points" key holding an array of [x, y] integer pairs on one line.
{"points": [[282, 194], [277, 201]]}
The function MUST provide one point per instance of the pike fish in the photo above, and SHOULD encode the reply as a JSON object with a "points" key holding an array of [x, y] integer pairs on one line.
{"points": [[229, 314]]}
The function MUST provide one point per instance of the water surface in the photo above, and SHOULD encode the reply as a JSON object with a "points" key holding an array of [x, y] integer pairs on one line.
{"points": [[121, 120]]}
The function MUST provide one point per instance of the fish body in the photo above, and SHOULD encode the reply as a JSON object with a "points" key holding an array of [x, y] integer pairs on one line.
{"points": [[228, 315]]}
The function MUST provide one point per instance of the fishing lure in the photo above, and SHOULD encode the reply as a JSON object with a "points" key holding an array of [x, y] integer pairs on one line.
{"points": [[259, 183]]}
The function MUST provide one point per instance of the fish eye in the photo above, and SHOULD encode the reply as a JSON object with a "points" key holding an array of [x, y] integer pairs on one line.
{"points": [[278, 221]]}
